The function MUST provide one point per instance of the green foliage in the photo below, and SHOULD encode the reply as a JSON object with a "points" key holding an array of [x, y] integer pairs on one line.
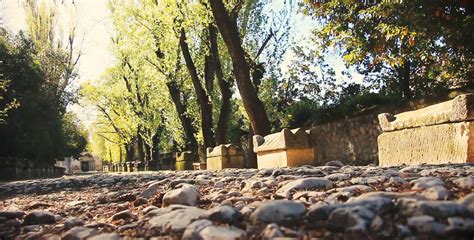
{"points": [[36, 129], [307, 112], [74, 135], [56, 50], [5, 106], [429, 42]]}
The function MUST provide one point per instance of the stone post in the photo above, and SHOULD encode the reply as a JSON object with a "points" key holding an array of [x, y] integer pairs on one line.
{"points": [[437, 134], [185, 160], [288, 148], [224, 156]]}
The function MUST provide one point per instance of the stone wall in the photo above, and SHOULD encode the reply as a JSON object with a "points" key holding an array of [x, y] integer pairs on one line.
{"points": [[351, 141], [354, 140], [18, 169]]}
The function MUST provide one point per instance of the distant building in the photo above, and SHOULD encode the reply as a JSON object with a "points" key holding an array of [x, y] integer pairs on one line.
{"points": [[90, 162], [70, 165], [86, 162]]}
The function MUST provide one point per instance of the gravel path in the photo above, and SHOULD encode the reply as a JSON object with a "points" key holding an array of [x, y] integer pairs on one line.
{"points": [[330, 202]]}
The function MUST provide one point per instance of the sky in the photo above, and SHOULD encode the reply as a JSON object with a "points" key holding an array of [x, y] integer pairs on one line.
{"points": [[93, 28], [93, 22]]}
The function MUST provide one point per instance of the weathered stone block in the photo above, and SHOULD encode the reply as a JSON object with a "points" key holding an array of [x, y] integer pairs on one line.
{"points": [[199, 166], [288, 148], [185, 160], [186, 157], [437, 134], [224, 156], [183, 165], [459, 109]]}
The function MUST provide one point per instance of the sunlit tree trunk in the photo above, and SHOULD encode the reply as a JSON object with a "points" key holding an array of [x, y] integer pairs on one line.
{"points": [[252, 104], [224, 86], [191, 142], [204, 100]]}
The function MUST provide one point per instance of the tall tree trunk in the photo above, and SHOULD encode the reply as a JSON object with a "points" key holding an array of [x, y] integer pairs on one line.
{"points": [[252, 104], [149, 155], [129, 152], [404, 80], [252, 156], [191, 142], [203, 99], [141, 150], [120, 154], [224, 86]]}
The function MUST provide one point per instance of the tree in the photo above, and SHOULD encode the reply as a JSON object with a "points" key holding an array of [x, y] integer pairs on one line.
{"points": [[412, 48], [230, 34], [58, 57], [5, 106], [36, 129], [202, 96]]}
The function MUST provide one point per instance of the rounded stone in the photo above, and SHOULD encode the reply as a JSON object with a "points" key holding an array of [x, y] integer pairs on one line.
{"points": [[279, 212]]}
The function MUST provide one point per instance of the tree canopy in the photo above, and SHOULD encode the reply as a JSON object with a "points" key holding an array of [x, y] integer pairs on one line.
{"points": [[189, 75]]}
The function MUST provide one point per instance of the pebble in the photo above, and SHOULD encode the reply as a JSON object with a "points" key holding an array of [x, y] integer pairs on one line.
{"points": [[467, 200], [39, 217], [426, 182], [205, 229], [417, 221], [465, 182], [176, 220], [436, 193], [437, 209], [272, 231], [152, 190], [11, 214], [356, 218], [338, 176], [305, 183], [106, 236], [73, 222], [335, 164], [278, 211], [125, 214], [185, 195], [397, 181], [79, 233], [224, 214]]}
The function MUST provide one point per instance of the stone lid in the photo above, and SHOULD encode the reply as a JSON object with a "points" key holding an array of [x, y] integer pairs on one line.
{"points": [[296, 138], [187, 156], [224, 149], [459, 109]]}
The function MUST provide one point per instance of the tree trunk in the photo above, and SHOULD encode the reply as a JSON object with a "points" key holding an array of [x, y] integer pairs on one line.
{"points": [[129, 152], [120, 154], [252, 104], [224, 86], [140, 146], [209, 69], [404, 81], [203, 99], [252, 156], [191, 142]]}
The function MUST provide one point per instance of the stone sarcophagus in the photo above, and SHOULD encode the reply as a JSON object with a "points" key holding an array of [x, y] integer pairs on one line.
{"points": [[224, 156], [185, 160], [440, 133], [288, 148]]}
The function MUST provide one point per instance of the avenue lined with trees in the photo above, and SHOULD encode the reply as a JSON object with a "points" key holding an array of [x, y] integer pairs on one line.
{"points": [[194, 74]]}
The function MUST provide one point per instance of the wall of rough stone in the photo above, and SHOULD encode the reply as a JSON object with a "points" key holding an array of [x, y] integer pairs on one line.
{"points": [[18, 169], [352, 141]]}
